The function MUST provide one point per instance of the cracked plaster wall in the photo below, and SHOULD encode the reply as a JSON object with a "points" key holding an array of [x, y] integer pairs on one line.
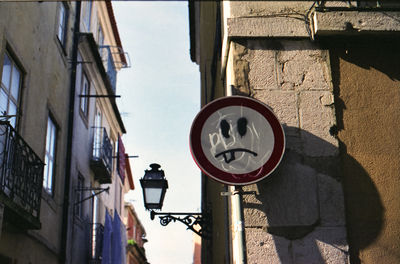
{"points": [[297, 214]]}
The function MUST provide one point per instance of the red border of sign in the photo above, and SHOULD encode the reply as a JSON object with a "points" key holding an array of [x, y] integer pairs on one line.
{"points": [[230, 178]]}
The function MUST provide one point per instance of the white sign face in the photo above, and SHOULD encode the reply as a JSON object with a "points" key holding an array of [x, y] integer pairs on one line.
{"points": [[237, 140], [234, 142]]}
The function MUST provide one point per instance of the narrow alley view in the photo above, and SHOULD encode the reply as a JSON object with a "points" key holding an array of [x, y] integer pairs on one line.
{"points": [[199, 132]]}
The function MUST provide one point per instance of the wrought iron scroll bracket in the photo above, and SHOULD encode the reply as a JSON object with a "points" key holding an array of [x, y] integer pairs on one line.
{"points": [[238, 192], [198, 223]]}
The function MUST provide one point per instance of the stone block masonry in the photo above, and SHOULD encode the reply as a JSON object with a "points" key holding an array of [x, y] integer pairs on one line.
{"points": [[297, 213]]}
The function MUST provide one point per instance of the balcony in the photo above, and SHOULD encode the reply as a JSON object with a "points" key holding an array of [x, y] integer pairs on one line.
{"points": [[101, 161], [21, 179], [96, 243], [109, 65]]}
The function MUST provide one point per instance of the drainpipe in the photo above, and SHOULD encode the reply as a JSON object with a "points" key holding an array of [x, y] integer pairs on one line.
{"points": [[238, 244], [238, 232], [68, 176], [226, 40]]}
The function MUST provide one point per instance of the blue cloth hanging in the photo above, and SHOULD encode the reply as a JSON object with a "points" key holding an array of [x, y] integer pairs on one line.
{"points": [[116, 248], [108, 230]]}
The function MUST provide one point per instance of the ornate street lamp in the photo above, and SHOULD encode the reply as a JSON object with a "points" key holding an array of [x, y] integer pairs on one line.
{"points": [[154, 187]]}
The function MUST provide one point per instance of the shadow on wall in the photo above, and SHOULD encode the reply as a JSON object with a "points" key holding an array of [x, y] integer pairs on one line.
{"points": [[302, 204], [366, 88], [380, 53]]}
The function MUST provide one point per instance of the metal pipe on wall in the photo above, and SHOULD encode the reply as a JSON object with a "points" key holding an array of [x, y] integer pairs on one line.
{"points": [[238, 242], [238, 232], [68, 169]]}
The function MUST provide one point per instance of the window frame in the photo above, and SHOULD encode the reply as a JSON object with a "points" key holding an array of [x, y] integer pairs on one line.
{"points": [[8, 91], [84, 100], [100, 40], [95, 208], [97, 136], [49, 174], [118, 197], [62, 28], [114, 153], [100, 35], [87, 14]]}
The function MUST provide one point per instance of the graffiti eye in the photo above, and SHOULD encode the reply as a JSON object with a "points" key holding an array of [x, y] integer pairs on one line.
{"points": [[242, 126], [225, 128]]}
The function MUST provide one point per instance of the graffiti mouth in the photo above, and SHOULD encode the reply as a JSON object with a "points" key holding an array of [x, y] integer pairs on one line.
{"points": [[232, 154]]}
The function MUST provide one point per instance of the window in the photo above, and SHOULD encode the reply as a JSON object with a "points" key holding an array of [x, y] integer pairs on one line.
{"points": [[100, 36], [97, 134], [100, 42], [87, 13], [95, 209], [84, 101], [135, 232], [79, 196], [49, 158], [96, 239], [62, 23], [118, 197], [10, 90], [114, 161]]}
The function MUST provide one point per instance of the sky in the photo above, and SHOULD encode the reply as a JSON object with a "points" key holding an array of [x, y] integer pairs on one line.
{"points": [[160, 96]]}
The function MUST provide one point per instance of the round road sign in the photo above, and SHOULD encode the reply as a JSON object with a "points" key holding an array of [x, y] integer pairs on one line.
{"points": [[237, 140]]}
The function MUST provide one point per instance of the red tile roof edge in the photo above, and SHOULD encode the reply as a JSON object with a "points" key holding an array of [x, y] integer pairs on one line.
{"points": [[129, 172], [115, 28]]}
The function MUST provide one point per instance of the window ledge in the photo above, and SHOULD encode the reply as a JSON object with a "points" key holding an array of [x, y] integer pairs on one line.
{"points": [[49, 200]]}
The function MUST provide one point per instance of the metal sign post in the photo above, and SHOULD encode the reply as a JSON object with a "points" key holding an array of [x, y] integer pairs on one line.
{"points": [[237, 141]]}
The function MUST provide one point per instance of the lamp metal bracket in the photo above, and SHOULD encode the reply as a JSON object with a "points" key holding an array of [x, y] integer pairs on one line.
{"points": [[196, 222], [238, 192]]}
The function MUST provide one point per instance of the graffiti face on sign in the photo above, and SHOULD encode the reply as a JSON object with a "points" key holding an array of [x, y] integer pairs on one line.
{"points": [[237, 139]]}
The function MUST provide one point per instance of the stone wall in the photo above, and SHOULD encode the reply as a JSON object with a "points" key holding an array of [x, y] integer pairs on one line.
{"points": [[297, 213], [338, 105]]}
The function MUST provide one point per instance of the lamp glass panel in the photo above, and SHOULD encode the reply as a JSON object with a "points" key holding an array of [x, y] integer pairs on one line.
{"points": [[153, 195]]}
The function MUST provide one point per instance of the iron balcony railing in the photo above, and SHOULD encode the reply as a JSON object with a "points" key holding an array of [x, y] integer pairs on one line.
{"points": [[101, 161], [96, 243], [109, 65], [21, 178]]}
